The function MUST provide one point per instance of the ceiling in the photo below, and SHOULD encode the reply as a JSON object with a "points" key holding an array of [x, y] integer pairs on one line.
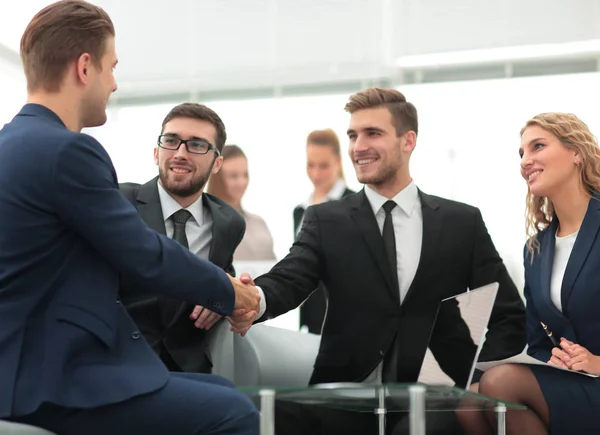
{"points": [[206, 49]]}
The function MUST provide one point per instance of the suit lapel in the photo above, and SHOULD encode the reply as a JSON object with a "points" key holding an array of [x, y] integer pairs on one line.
{"points": [[362, 214], [546, 264], [149, 208], [581, 248], [432, 227], [220, 225]]}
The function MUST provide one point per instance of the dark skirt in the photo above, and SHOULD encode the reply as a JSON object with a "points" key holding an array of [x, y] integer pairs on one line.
{"points": [[573, 400]]}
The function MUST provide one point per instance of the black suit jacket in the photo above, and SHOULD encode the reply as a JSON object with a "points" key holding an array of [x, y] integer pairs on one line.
{"points": [[313, 310], [165, 322], [340, 244]]}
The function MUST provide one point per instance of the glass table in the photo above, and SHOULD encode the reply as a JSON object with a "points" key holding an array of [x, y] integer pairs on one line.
{"points": [[416, 399]]}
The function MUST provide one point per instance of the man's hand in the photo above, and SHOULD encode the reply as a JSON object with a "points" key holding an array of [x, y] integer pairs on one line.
{"points": [[246, 278], [204, 318], [247, 304]]}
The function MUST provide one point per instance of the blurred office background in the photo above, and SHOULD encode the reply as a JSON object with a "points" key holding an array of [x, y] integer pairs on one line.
{"points": [[277, 69]]}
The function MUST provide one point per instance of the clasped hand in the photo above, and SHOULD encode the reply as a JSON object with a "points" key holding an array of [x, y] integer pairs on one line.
{"points": [[575, 357], [246, 308]]}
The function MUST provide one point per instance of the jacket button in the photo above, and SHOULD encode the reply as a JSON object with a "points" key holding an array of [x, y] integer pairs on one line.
{"points": [[118, 301], [136, 335]]}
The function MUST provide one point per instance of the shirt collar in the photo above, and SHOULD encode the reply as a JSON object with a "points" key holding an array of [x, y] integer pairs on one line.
{"points": [[407, 199], [170, 206], [334, 193]]}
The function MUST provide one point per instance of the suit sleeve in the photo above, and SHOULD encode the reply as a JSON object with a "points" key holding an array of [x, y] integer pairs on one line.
{"points": [[538, 344], [505, 336], [449, 334], [296, 276], [87, 199]]}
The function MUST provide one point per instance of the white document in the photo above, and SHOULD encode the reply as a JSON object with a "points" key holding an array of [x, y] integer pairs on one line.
{"points": [[524, 358]]}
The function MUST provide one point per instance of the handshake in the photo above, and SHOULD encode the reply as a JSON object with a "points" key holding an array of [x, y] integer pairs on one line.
{"points": [[245, 310]]}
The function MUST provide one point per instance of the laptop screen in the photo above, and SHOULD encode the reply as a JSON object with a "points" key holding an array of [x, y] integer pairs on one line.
{"points": [[474, 308]]}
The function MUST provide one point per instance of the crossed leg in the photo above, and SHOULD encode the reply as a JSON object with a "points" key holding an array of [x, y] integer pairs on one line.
{"points": [[511, 383]]}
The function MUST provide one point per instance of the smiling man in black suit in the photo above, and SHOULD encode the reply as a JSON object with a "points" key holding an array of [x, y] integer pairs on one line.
{"points": [[388, 255], [187, 152]]}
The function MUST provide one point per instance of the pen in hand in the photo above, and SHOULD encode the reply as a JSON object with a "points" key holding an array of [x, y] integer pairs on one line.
{"points": [[550, 336]]}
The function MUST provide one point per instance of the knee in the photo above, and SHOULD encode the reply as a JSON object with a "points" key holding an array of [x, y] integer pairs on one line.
{"points": [[219, 380], [498, 382], [243, 414]]}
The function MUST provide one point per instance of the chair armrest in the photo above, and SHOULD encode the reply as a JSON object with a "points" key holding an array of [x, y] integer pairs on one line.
{"points": [[273, 356]]}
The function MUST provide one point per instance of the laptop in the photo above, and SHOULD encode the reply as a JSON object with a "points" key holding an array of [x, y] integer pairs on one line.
{"points": [[475, 309]]}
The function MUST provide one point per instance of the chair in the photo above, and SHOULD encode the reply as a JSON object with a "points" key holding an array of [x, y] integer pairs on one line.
{"points": [[8, 428], [266, 356]]}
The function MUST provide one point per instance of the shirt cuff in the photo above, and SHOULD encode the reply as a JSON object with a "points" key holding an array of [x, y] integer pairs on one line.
{"points": [[263, 303]]}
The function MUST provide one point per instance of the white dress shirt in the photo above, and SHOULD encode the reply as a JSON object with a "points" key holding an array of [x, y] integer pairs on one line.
{"points": [[407, 219], [562, 252], [198, 229], [336, 192]]}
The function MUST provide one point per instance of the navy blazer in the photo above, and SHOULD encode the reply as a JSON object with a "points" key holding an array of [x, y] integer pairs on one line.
{"points": [[66, 236], [580, 298]]}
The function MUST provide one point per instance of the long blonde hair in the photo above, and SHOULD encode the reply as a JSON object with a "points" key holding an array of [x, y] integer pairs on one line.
{"points": [[575, 135]]}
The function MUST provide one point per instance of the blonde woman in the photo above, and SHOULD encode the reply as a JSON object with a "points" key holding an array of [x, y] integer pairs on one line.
{"points": [[560, 162]]}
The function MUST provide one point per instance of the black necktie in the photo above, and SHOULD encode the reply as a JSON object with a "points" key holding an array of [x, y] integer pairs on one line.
{"points": [[171, 309], [179, 219], [389, 240], [390, 361]]}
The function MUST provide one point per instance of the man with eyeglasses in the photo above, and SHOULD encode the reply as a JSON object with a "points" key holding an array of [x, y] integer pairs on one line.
{"points": [[188, 151]]}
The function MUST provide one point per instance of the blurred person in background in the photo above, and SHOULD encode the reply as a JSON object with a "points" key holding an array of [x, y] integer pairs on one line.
{"points": [[187, 152], [230, 184], [324, 168]]}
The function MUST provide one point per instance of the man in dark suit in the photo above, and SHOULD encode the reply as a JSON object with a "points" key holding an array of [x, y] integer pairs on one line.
{"points": [[388, 255], [72, 360], [177, 330]]}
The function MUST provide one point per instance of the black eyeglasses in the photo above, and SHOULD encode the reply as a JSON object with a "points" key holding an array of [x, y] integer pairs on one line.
{"points": [[194, 146]]}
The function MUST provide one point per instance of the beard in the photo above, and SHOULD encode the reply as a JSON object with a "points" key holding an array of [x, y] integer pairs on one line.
{"points": [[183, 189], [383, 176]]}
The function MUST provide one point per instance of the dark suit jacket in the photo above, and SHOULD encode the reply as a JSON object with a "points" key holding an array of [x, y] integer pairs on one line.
{"points": [[573, 402], [164, 321], [341, 245], [578, 321], [313, 310], [67, 234]]}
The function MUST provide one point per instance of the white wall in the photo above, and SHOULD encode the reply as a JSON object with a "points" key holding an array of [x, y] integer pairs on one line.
{"points": [[245, 44], [12, 91], [477, 121]]}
